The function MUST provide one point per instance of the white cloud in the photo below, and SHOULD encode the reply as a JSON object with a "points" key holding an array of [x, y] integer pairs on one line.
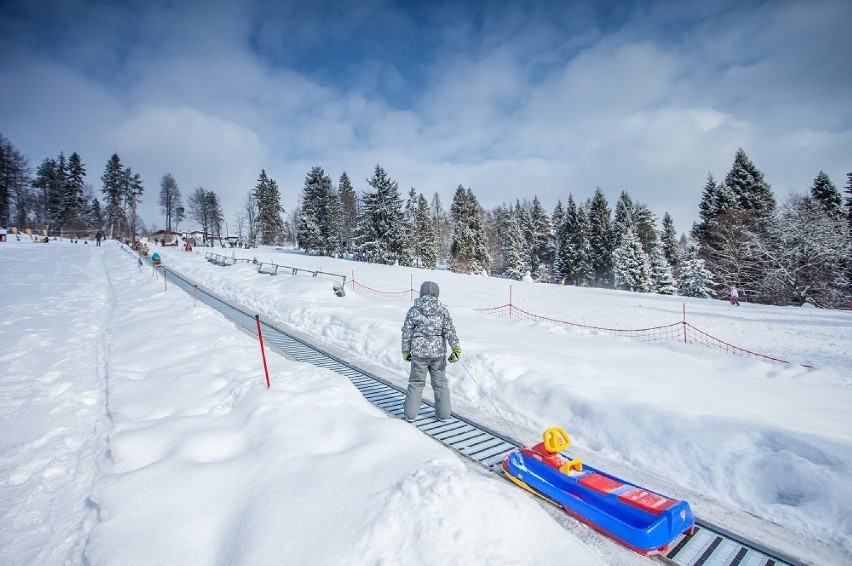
{"points": [[536, 99], [196, 148]]}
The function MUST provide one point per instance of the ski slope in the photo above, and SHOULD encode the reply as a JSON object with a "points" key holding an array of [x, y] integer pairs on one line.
{"points": [[138, 428]]}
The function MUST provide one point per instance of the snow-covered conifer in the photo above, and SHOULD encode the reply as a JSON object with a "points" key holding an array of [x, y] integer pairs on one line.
{"points": [[669, 240], [349, 212], [513, 256], [694, 279], [827, 195], [542, 252], [752, 193], [662, 281], [600, 240], [269, 210], [380, 232], [468, 252], [426, 248], [631, 270]]}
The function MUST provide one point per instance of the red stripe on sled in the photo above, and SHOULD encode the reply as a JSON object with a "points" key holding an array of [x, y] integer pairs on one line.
{"points": [[599, 483], [651, 502]]}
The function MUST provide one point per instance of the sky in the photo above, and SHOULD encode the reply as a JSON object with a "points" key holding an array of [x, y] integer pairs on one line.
{"points": [[137, 427], [514, 100]]}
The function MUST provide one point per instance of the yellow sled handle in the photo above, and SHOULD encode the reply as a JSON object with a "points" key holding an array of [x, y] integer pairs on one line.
{"points": [[556, 439]]}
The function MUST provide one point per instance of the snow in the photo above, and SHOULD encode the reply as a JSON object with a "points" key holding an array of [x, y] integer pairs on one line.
{"points": [[137, 427]]}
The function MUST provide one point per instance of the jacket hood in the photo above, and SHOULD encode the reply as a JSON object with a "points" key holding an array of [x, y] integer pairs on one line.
{"points": [[428, 305], [429, 288]]}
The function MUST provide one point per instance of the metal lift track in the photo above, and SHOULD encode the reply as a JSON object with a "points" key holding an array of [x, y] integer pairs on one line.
{"points": [[709, 545]]}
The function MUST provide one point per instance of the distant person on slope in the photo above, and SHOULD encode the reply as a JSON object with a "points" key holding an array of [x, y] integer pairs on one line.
{"points": [[735, 296], [425, 333]]}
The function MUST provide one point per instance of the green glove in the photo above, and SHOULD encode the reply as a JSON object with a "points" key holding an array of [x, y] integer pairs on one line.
{"points": [[406, 356], [454, 357]]}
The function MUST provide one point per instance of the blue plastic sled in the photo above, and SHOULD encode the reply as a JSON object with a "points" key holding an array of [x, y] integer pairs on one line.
{"points": [[641, 520]]}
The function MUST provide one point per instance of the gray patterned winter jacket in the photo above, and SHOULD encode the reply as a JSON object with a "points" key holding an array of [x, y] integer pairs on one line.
{"points": [[427, 328]]}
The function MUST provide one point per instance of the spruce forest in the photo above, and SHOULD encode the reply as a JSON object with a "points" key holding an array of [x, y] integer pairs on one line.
{"points": [[791, 252]]}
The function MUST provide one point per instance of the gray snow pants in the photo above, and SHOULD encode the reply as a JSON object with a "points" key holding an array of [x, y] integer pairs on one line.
{"points": [[417, 380]]}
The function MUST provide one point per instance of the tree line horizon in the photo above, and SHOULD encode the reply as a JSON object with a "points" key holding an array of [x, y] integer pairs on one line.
{"points": [[795, 252]]}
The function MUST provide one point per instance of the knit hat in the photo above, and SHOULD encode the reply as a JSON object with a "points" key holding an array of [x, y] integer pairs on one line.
{"points": [[429, 288]]}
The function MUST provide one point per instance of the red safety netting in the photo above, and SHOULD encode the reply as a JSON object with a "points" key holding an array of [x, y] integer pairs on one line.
{"points": [[676, 332], [667, 333], [695, 336], [364, 290]]}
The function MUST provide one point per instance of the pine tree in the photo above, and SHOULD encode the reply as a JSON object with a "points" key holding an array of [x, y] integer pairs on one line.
{"points": [[662, 281], [715, 200], [14, 184], [848, 190], [426, 248], [269, 210], [334, 241], [669, 241], [443, 228], [583, 268], [349, 212], [513, 256], [600, 240], [562, 262], [408, 255], [94, 215], [631, 269], [215, 214], [694, 279], [73, 202], [752, 193], [56, 198], [558, 215], [525, 225], [623, 219], [380, 235], [494, 226], [114, 190], [50, 180], [313, 211], [572, 262], [645, 224], [827, 195], [468, 251], [708, 208], [133, 190], [542, 254]]}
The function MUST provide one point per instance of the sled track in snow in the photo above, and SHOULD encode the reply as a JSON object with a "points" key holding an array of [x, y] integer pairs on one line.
{"points": [[709, 545]]}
